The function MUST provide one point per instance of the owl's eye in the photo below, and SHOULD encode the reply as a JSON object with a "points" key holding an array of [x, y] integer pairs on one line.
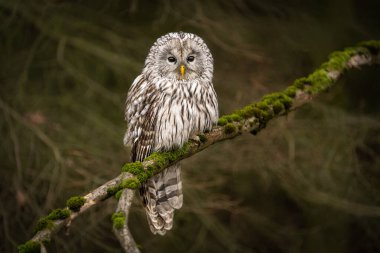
{"points": [[172, 59], [190, 58]]}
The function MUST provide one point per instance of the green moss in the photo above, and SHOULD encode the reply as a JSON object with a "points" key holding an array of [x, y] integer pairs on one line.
{"points": [[228, 118], [162, 159], [75, 203], [269, 106], [202, 138], [259, 110], [246, 112], [229, 128], [265, 117], [337, 61], [286, 101], [118, 220], [300, 83], [59, 214], [118, 194], [278, 107], [270, 98], [142, 177], [131, 183], [264, 105], [319, 81], [113, 190], [30, 247], [372, 45], [222, 121], [291, 91], [135, 168], [236, 117], [151, 169], [262, 115], [43, 223], [48, 221]]}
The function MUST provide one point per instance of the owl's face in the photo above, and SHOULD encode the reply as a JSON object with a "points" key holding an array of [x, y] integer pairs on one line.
{"points": [[179, 56]]}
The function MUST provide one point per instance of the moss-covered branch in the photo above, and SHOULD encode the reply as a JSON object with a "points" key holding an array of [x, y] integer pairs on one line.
{"points": [[120, 224], [252, 118]]}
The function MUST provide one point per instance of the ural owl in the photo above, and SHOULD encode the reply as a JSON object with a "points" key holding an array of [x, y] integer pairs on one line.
{"points": [[172, 100]]}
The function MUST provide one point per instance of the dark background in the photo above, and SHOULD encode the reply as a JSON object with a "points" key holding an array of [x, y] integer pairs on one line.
{"points": [[308, 183]]}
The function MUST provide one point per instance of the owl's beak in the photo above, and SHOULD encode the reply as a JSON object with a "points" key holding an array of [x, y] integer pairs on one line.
{"points": [[182, 70]]}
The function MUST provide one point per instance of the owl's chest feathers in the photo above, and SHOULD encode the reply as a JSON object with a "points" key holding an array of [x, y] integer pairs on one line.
{"points": [[183, 111]]}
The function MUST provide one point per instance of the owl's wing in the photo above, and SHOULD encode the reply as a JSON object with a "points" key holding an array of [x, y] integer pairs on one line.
{"points": [[140, 114], [162, 193]]}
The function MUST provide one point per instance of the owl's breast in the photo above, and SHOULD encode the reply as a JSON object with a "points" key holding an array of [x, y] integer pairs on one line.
{"points": [[182, 114]]}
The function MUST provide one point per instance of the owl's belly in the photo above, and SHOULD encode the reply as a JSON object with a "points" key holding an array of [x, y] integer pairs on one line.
{"points": [[178, 121]]}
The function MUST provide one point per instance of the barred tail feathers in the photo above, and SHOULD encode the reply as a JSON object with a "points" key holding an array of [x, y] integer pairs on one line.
{"points": [[162, 194]]}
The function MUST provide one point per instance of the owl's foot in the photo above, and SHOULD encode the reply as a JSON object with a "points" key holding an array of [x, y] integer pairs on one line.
{"points": [[199, 139], [195, 138]]}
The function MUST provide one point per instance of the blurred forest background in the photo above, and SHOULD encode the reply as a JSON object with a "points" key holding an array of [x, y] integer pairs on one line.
{"points": [[310, 182]]}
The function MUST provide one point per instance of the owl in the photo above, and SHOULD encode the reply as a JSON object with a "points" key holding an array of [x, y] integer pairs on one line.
{"points": [[172, 100]]}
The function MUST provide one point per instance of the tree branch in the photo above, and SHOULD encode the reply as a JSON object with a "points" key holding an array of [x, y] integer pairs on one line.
{"points": [[251, 118], [120, 225]]}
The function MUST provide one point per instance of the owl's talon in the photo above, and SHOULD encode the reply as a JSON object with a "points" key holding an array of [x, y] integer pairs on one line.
{"points": [[196, 139]]}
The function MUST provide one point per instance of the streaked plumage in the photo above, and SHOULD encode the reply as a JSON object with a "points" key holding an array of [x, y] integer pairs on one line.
{"points": [[172, 100]]}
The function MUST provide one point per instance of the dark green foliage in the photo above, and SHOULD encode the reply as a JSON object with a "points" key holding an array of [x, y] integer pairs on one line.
{"points": [[75, 203], [29, 247], [118, 220]]}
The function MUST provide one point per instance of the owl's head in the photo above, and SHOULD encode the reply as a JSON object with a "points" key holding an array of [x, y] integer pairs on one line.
{"points": [[179, 56]]}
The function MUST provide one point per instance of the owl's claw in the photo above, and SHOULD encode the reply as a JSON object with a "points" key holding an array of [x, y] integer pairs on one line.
{"points": [[196, 139]]}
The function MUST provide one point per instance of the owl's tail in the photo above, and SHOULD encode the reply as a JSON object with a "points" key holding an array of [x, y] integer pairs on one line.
{"points": [[161, 195]]}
